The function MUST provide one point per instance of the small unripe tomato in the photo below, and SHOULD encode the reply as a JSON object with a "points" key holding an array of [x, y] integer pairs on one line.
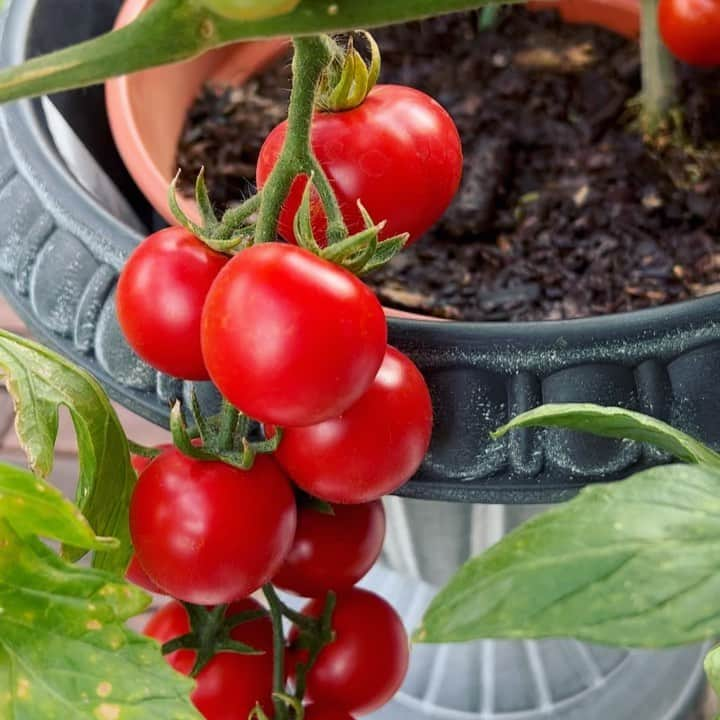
{"points": [[251, 9]]}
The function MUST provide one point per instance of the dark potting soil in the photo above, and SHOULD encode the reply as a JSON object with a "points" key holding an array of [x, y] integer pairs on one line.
{"points": [[564, 211]]}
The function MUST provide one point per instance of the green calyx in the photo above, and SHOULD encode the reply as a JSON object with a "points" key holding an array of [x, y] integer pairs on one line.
{"points": [[359, 253], [210, 633], [224, 437], [230, 234], [348, 79]]}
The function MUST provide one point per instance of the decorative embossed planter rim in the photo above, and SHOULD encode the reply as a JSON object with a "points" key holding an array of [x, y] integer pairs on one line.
{"points": [[60, 253]]}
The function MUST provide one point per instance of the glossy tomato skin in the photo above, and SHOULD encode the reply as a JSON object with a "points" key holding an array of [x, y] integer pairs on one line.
{"points": [[230, 685], [325, 712], [371, 449], [208, 533], [691, 30], [399, 153], [135, 573], [366, 664], [140, 462], [291, 339], [137, 576], [332, 552], [160, 296]]}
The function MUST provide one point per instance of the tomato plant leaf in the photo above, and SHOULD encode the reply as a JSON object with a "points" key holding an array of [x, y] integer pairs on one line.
{"points": [[40, 381], [64, 650], [632, 563], [33, 507], [618, 423]]}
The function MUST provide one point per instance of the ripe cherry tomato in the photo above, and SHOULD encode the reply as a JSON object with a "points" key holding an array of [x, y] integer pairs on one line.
{"points": [[691, 30], [332, 552], [251, 9], [399, 153], [160, 296], [325, 712], [366, 664], [140, 462], [136, 575], [289, 338], [371, 449], [230, 685], [208, 533]]}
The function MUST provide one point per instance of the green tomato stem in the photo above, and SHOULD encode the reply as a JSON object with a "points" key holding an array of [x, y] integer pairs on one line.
{"points": [[172, 30], [281, 710], [312, 56], [658, 71]]}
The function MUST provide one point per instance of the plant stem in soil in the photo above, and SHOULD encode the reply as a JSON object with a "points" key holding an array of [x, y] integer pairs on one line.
{"points": [[658, 71]]}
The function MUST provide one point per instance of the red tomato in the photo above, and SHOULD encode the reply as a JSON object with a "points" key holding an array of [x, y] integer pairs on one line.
{"points": [[139, 462], [399, 153], [136, 575], [332, 552], [208, 533], [691, 30], [366, 664], [160, 296], [230, 685], [289, 338], [325, 712], [371, 449]]}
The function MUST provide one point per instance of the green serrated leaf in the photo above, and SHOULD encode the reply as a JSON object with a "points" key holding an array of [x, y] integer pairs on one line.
{"points": [[633, 563], [33, 507], [64, 650], [616, 423], [40, 381]]}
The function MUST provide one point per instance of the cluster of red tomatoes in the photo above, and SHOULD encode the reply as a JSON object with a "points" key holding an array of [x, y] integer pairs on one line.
{"points": [[298, 344], [253, 533], [691, 30]]}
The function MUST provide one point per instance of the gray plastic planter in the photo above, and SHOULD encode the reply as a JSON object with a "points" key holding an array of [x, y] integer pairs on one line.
{"points": [[60, 253]]}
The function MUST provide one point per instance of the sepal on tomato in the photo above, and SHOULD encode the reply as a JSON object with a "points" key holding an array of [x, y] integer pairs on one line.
{"points": [[239, 452], [363, 252], [349, 79], [229, 235], [211, 633], [359, 253]]}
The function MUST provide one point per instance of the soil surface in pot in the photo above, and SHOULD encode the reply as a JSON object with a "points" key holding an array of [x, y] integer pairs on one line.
{"points": [[564, 211]]}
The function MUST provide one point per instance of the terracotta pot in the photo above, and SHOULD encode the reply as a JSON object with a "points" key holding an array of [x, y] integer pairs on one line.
{"points": [[146, 137], [620, 16]]}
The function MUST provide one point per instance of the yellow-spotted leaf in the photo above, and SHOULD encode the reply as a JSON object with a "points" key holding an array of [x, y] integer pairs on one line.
{"points": [[33, 507], [65, 652]]}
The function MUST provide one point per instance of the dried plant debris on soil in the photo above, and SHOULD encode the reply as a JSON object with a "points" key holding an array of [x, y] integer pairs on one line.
{"points": [[563, 212]]}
